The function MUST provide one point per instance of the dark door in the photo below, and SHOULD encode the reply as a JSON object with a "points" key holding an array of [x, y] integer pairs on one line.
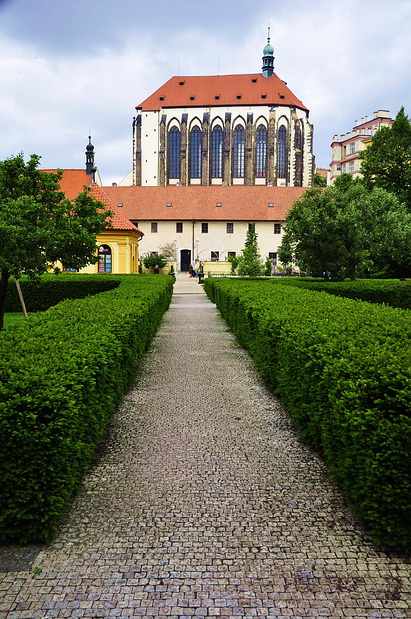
{"points": [[185, 257]]}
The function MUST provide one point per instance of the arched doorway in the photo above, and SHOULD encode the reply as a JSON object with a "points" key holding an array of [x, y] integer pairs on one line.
{"points": [[104, 259], [185, 259]]}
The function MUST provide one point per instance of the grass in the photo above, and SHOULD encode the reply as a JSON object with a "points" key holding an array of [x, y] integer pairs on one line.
{"points": [[11, 319]]}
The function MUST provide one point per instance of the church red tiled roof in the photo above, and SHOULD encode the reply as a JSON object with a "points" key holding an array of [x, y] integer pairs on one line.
{"points": [[221, 90], [205, 203]]}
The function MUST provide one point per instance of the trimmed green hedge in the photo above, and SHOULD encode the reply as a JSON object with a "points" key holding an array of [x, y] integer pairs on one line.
{"points": [[50, 289], [342, 369], [62, 375], [388, 291]]}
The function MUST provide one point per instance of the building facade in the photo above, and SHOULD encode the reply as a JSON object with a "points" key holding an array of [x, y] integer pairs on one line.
{"points": [[346, 148], [223, 130]]}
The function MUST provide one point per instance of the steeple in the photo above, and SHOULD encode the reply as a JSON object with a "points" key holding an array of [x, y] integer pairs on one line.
{"points": [[268, 57], [89, 157]]}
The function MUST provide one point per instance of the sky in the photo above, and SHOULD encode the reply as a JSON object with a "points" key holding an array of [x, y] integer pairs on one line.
{"points": [[73, 68]]}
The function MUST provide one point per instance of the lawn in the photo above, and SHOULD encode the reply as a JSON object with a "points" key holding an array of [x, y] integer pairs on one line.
{"points": [[13, 318]]}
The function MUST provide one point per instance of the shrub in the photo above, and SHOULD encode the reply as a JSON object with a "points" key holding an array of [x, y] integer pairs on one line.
{"points": [[62, 375], [341, 368]]}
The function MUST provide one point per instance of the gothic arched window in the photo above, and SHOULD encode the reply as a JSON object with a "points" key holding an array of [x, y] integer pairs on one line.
{"points": [[195, 153], [282, 152], [298, 148], [238, 154], [174, 139], [260, 151], [217, 152]]}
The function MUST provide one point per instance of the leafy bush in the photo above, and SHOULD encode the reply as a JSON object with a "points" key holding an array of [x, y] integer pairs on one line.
{"points": [[49, 290], [62, 375], [150, 262], [391, 292], [341, 368]]}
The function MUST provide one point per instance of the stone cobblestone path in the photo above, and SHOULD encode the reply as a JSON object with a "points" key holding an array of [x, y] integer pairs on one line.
{"points": [[203, 502]]}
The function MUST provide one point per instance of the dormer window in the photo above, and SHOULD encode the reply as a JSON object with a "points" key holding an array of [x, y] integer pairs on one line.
{"points": [[120, 204], [192, 98], [216, 97], [182, 82], [162, 97], [239, 96], [254, 80], [271, 204], [169, 204], [219, 204], [264, 95]]}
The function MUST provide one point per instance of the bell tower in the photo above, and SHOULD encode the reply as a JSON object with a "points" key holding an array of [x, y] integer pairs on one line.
{"points": [[268, 58], [89, 157]]}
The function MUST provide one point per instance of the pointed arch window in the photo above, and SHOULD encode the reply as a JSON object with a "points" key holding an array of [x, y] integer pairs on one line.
{"points": [[282, 152], [174, 141], [238, 158], [217, 152], [260, 151], [195, 153], [298, 147]]}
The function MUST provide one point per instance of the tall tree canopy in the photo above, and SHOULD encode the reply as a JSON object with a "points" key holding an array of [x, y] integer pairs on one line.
{"points": [[386, 163], [344, 228], [40, 226]]}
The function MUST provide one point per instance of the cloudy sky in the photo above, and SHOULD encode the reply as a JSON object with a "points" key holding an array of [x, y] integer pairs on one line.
{"points": [[68, 68]]}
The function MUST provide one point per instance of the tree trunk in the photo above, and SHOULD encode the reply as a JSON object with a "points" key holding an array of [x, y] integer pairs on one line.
{"points": [[3, 290], [351, 272]]}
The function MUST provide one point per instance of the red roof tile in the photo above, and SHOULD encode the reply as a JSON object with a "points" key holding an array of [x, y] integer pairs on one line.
{"points": [[221, 90], [119, 221], [238, 203], [73, 181]]}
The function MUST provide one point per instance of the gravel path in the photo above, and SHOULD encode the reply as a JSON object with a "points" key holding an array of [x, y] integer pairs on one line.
{"points": [[203, 502]]}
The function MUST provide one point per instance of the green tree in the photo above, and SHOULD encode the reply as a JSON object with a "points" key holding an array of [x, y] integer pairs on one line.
{"points": [[150, 262], [345, 228], [386, 163], [40, 226], [319, 180], [249, 261]]}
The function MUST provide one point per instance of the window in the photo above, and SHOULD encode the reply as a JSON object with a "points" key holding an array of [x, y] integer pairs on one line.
{"points": [[352, 148], [217, 152], [238, 154], [282, 152], [277, 228], [230, 228], [195, 153], [272, 256], [351, 167], [251, 227], [344, 167], [154, 227], [215, 256], [104, 259], [179, 226], [174, 139], [231, 253], [204, 228], [260, 151]]}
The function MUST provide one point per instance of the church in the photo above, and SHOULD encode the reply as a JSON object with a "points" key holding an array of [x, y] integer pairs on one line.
{"points": [[223, 130], [212, 156]]}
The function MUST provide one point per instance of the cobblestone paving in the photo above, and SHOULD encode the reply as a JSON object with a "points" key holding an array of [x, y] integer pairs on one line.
{"points": [[203, 502]]}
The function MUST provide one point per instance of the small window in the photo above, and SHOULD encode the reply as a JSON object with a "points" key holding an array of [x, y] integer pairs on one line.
{"points": [[351, 167], [192, 98], [215, 256], [154, 227], [182, 83], [169, 204], [239, 96], [179, 226], [231, 253], [254, 80], [264, 96], [217, 97], [219, 204], [120, 204], [251, 227], [338, 167], [352, 148], [230, 228], [271, 204], [204, 228], [277, 228], [162, 97], [272, 255]]}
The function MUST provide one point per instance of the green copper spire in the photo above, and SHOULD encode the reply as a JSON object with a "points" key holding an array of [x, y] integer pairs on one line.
{"points": [[268, 57]]}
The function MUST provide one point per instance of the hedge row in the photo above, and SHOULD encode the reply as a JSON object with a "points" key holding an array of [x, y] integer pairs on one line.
{"points": [[342, 368], [50, 289], [62, 375], [390, 292]]}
